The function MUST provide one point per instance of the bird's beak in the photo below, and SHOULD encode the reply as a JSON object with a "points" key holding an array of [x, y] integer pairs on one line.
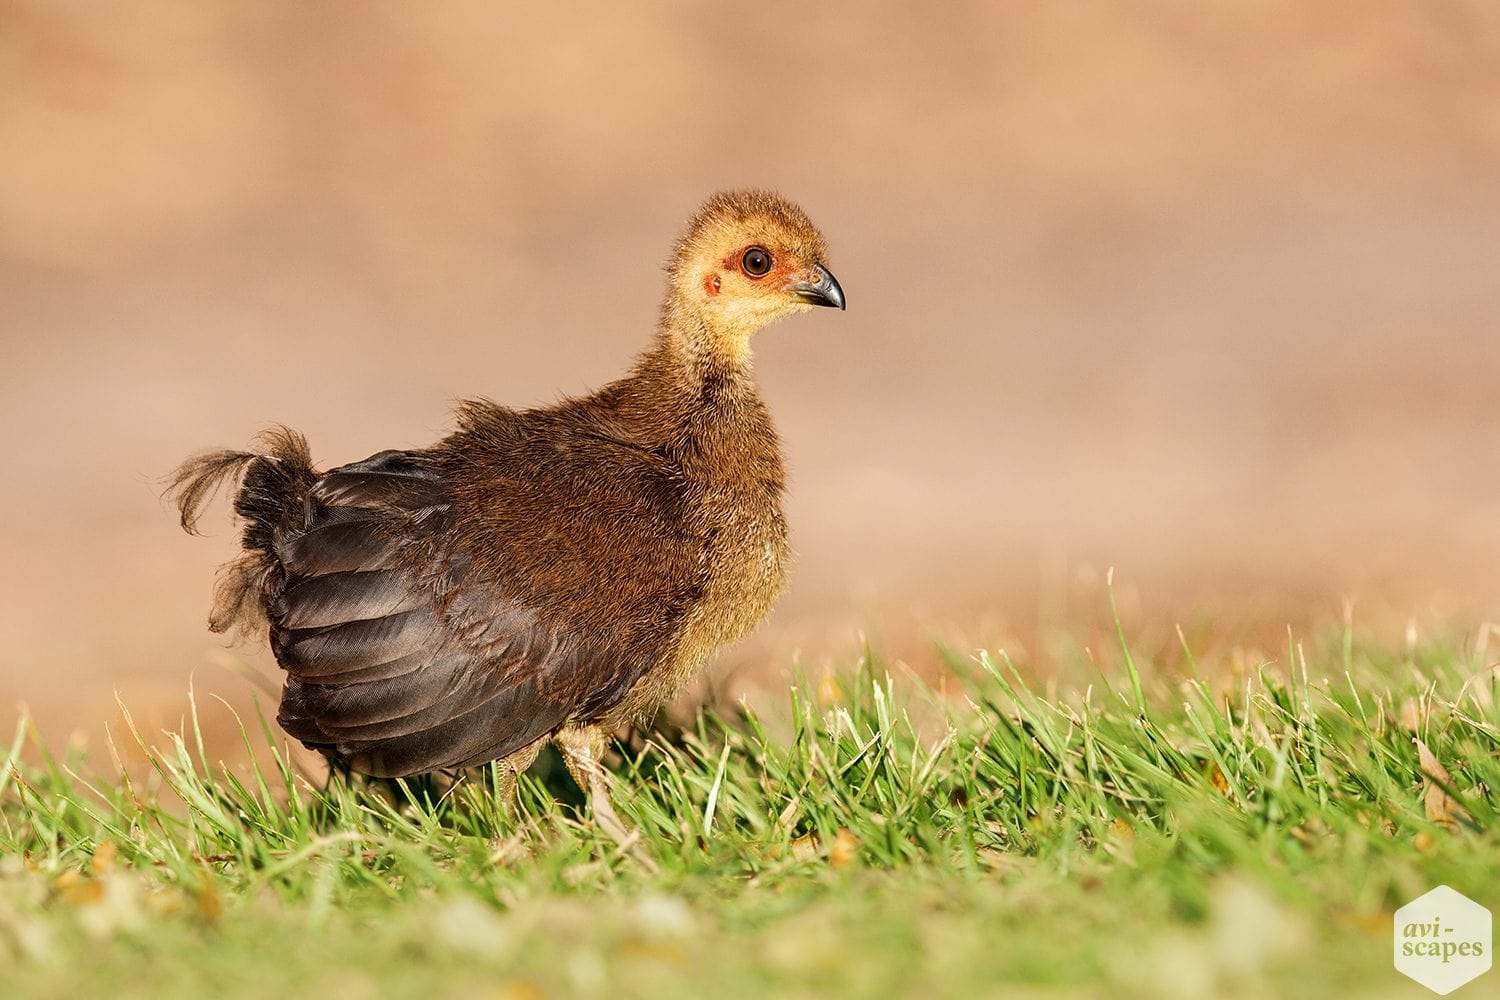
{"points": [[819, 288]]}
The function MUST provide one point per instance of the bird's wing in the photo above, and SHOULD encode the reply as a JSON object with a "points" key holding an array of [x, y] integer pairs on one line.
{"points": [[397, 661]]}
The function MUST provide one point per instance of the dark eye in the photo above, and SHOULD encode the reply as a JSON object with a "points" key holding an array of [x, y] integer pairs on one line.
{"points": [[756, 262]]}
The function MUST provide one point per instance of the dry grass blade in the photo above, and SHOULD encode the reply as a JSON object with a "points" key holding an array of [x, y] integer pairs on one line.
{"points": [[1439, 806]]}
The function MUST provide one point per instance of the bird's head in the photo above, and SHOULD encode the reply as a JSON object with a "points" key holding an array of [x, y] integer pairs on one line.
{"points": [[747, 259]]}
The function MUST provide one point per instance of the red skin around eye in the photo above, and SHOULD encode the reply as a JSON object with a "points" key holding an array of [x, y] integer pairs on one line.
{"points": [[736, 262]]}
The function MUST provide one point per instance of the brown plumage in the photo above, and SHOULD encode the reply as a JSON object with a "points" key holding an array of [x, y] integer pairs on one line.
{"points": [[543, 574]]}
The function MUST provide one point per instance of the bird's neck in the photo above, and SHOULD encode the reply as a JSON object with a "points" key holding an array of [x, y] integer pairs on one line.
{"points": [[700, 364], [695, 394], [704, 346]]}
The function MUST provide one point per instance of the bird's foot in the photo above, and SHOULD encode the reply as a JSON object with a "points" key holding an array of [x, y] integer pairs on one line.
{"points": [[582, 758], [627, 838]]}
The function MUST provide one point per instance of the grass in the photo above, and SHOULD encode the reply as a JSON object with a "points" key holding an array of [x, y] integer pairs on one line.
{"points": [[1151, 835]]}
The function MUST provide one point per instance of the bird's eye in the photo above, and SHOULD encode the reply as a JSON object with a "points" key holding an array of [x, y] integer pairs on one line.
{"points": [[756, 262]]}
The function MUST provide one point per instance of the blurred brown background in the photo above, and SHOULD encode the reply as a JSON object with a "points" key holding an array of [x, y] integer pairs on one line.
{"points": [[1206, 292]]}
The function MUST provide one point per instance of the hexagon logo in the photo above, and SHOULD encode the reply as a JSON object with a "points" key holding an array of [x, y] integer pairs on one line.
{"points": [[1443, 940]]}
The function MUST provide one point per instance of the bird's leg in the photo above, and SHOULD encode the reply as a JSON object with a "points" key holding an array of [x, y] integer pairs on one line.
{"points": [[508, 774], [583, 752]]}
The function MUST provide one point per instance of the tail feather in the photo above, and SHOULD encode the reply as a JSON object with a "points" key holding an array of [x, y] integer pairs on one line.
{"points": [[194, 482], [273, 481]]}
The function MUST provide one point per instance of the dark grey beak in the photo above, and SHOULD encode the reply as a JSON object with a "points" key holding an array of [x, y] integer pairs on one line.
{"points": [[822, 290]]}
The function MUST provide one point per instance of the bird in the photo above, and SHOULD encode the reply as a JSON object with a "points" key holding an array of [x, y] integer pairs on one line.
{"points": [[547, 575]]}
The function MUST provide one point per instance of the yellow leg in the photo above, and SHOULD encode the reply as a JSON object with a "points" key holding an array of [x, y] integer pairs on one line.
{"points": [[508, 772], [583, 751]]}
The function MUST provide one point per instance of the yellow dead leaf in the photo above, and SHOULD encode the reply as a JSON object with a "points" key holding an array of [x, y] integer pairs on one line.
{"points": [[78, 889], [805, 848], [209, 904], [845, 849], [104, 858], [1440, 807], [162, 902]]}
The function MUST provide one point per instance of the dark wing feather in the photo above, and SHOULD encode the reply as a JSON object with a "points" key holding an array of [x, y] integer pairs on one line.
{"points": [[322, 654], [397, 661], [337, 547], [336, 598]]}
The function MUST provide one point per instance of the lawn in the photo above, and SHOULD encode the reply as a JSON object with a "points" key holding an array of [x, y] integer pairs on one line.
{"points": [[1153, 826]]}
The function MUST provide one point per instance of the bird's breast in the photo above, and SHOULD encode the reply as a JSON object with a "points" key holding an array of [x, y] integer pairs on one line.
{"points": [[744, 556], [744, 560], [729, 480]]}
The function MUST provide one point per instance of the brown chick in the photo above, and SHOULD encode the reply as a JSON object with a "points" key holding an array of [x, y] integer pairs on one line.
{"points": [[548, 574]]}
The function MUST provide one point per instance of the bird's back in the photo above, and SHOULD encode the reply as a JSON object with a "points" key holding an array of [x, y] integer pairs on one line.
{"points": [[568, 510], [664, 536]]}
